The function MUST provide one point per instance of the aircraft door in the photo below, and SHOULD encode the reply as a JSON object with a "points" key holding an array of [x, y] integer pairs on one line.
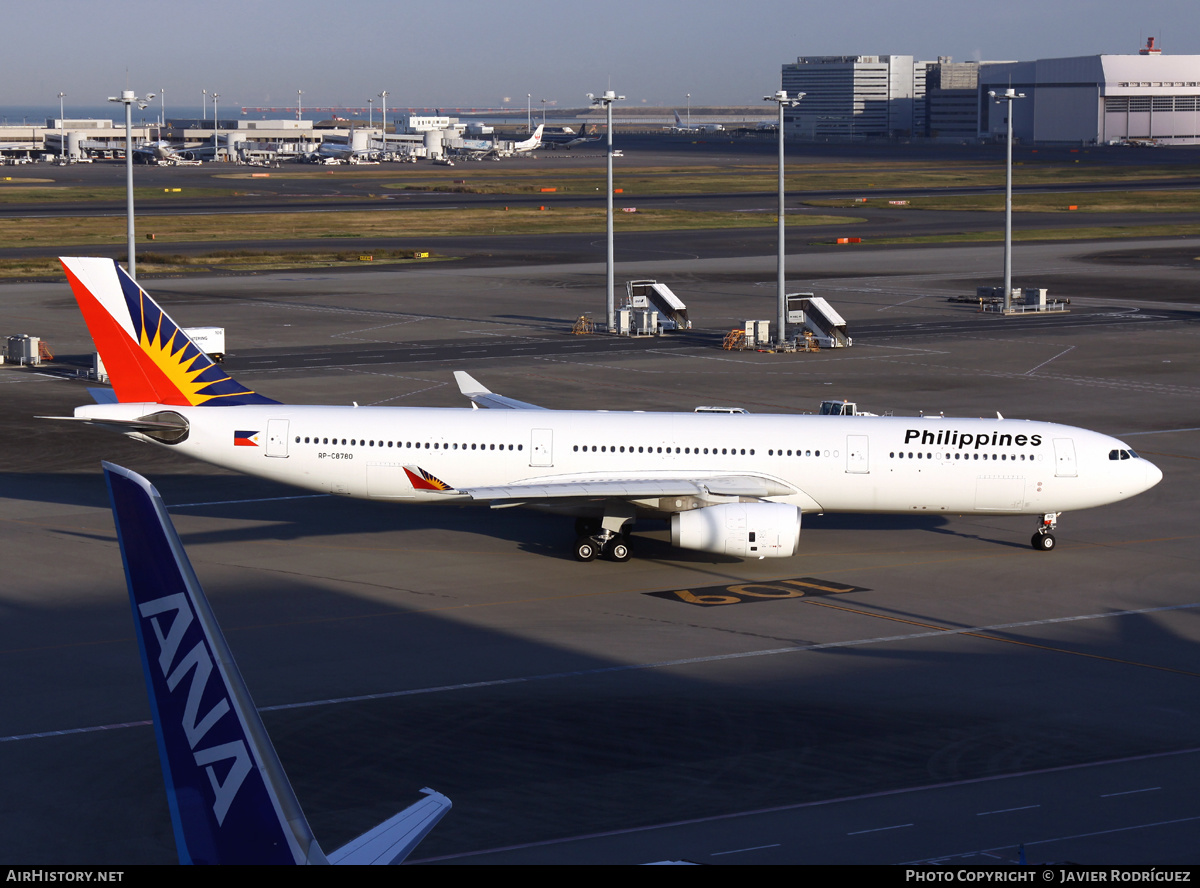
{"points": [[1064, 458], [277, 437], [857, 455], [541, 447]]}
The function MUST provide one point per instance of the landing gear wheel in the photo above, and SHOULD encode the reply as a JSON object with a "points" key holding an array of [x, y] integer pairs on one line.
{"points": [[618, 550], [1043, 542], [586, 549]]}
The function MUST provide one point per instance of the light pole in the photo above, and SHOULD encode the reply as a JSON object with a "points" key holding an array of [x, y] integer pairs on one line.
{"points": [[371, 113], [127, 98], [62, 145], [215, 97], [781, 99], [162, 120], [689, 98], [1009, 95], [383, 103], [299, 110], [528, 112], [203, 107], [607, 101], [543, 112]]}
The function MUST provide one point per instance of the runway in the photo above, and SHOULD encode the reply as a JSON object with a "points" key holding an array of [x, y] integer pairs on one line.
{"points": [[968, 695]]}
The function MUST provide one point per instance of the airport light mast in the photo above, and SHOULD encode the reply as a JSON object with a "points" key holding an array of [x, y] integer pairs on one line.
{"points": [[607, 101], [128, 99], [299, 110], [1009, 95], [781, 98], [383, 99], [62, 145], [215, 97]]}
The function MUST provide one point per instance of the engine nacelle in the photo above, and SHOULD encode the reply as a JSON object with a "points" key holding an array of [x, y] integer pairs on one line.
{"points": [[748, 530]]}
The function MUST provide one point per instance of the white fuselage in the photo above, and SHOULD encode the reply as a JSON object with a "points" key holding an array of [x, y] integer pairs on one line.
{"points": [[833, 464]]}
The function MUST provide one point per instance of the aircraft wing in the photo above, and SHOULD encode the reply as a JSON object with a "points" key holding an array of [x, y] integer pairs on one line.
{"points": [[606, 487], [481, 396]]}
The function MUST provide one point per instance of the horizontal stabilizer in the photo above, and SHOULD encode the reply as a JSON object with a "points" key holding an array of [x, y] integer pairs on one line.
{"points": [[394, 839], [483, 397], [144, 424]]}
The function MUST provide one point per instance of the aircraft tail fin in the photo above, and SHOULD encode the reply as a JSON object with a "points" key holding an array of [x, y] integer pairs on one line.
{"points": [[678, 120], [229, 798], [147, 356]]}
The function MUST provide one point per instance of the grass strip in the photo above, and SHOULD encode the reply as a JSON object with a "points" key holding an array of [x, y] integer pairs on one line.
{"points": [[407, 223]]}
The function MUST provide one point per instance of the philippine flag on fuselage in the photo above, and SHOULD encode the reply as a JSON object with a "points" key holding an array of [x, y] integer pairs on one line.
{"points": [[245, 439]]}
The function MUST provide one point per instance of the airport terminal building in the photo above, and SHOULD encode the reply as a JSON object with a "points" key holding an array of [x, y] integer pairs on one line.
{"points": [[1145, 98], [855, 97]]}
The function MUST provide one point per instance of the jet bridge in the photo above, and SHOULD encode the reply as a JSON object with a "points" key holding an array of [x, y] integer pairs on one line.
{"points": [[818, 316], [652, 294]]}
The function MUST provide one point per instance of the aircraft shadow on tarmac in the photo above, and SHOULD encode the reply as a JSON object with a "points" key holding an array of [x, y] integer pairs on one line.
{"points": [[283, 513], [584, 744]]}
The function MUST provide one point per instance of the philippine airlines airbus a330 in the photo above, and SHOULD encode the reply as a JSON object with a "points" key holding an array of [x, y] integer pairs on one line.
{"points": [[733, 484]]}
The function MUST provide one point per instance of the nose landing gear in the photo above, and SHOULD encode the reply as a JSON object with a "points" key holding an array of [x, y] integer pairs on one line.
{"points": [[1043, 540]]}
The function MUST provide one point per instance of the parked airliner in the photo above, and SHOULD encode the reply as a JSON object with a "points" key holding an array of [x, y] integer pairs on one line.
{"points": [[728, 483]]}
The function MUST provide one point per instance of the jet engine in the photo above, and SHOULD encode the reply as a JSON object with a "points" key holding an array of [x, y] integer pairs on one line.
{"points": [[748, 530]]}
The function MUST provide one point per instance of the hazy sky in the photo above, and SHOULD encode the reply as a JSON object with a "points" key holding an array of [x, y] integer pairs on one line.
{"points": [[471, 54]]}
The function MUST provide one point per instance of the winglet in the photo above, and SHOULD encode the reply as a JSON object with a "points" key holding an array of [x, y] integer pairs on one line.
{"points": [[469, 385], [481, 396], [229, 798]]}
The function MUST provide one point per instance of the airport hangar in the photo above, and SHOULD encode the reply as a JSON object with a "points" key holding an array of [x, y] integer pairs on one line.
{"points": [[1147, 98]]}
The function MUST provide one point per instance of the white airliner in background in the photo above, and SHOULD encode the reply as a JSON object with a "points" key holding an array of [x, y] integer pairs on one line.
{"points": [[728, 483], [534, 141], [680, 127]]}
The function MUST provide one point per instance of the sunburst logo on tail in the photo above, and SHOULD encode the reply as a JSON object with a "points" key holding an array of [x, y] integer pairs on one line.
{"points": [[147, 356]]}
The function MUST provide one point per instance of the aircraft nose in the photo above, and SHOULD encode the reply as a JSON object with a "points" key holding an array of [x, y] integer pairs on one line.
{"points": [[1153, 473]]}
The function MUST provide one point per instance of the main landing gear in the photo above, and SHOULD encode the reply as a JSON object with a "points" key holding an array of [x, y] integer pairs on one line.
{"points": [[1043, 540], [605, 537]]}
